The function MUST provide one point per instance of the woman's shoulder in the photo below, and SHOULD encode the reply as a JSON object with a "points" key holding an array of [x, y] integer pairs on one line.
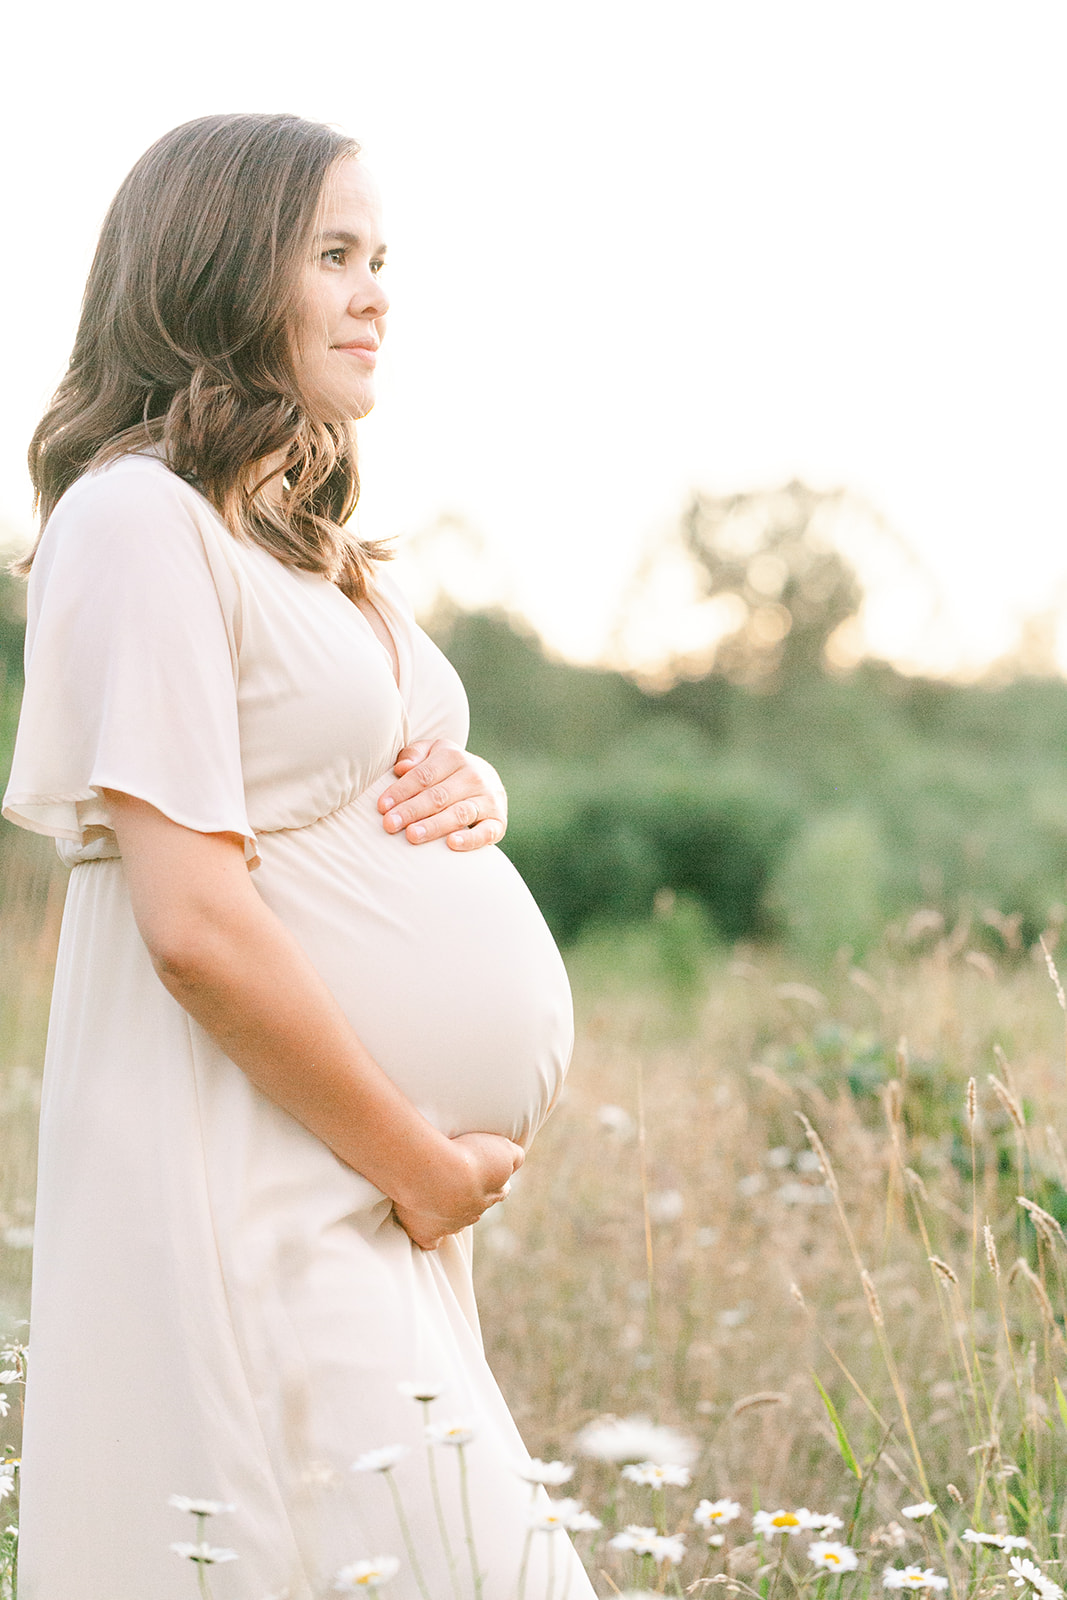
{"points": [[134, 524], [128, 483], [126, 508]]}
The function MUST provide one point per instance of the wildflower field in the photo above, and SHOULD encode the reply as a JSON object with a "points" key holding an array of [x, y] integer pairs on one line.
{"points": [[778, 1300]]}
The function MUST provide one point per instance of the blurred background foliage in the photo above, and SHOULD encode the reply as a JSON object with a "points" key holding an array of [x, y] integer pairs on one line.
{"points": [[765, 791]]}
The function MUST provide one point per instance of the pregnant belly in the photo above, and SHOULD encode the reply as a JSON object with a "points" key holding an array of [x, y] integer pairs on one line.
{"points": [[441, 961]]}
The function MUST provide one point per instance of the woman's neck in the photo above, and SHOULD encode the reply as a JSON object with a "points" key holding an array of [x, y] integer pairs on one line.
{"points": [[272, 467]]}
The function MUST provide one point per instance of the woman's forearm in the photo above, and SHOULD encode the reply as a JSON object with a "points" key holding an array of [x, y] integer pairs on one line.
{"points": [[251, 987], [238, 971]]}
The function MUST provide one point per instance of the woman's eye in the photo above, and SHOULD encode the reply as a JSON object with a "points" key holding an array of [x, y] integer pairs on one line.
{"points": [[336, 257], [377, 266]]}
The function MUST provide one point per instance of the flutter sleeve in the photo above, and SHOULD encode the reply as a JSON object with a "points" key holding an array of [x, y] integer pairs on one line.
{"points": [[132, 651]]}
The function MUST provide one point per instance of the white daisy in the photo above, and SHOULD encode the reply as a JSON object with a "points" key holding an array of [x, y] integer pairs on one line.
{"points": [[583, 1522], [835, 1557], [925, 1508], [827, 1524], [716, 1513], [634, 1538], [647, 1542], [1026, 1572], [458, 1431], [666, 1205], [10, 1376], [7, 1478], [204, 1553], [635, 1439], [912, 1577], [768, 1523], [550, 1473], [668, 1547], [366, 1574], [422, 1391], [555, 1515], [614, 1119], [5, 1404], [654, 1475], [999, 1541], [200, 1508], [381, 1460]]}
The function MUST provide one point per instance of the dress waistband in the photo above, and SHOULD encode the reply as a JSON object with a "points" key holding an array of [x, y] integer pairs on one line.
{"points": [[105, 847]]}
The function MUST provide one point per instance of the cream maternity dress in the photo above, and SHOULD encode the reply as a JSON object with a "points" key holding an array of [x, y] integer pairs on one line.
{"points": [[221, 1307]]}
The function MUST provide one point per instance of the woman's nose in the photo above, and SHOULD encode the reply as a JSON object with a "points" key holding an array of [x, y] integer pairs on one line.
{"points": [[369, 300]]}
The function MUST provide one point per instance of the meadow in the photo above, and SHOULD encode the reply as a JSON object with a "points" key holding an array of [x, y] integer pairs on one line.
{"points": [[763, 1178], [783, 1286]]}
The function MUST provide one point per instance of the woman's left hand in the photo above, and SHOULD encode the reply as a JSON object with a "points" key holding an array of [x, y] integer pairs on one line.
{"points": [[444, 792]]}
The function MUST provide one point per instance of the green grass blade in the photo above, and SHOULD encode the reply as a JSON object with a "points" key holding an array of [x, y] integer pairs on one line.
{"points": [[1061, 1401], [847, 1452]]}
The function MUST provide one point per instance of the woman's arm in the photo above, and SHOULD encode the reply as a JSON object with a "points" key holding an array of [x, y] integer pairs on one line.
{"points": [[236, 969]]}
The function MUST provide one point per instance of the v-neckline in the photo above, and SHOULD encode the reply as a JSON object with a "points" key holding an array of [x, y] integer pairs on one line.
{"points": [[393, 656]]}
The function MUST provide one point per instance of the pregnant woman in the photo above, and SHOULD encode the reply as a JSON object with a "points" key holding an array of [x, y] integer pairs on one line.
{"points": [[306, 1017]]}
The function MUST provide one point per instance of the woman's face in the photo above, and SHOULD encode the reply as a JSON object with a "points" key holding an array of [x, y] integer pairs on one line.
{"points": [[342, 319]]}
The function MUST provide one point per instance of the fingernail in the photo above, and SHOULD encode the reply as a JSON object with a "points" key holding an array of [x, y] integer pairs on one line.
{"points": [[386, 801], [417, 831], [458, 839]]}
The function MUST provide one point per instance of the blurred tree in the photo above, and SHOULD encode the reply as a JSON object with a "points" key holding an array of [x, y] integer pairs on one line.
{"points": [[12, 631], [12, 627], [792, 590], [523, 701]]}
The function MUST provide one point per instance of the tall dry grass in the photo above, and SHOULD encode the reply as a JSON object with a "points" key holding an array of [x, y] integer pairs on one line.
{"points": [[754, 1274], [759, 1177], [32, 885]]}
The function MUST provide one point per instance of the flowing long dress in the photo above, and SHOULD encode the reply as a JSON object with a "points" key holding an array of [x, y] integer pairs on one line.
{"points": [[220, 1306]]}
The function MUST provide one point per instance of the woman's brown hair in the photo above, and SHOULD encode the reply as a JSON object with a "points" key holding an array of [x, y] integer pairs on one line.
{"points": [[184, 341]]}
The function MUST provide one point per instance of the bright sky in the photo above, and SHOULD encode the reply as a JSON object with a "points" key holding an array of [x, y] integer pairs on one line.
{"points": [[637, 249]]}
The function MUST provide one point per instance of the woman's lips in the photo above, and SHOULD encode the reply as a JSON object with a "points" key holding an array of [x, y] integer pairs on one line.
{"points": [[360, 351]]}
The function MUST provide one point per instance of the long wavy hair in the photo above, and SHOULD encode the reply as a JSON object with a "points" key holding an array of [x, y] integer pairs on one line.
{"points": [[185, 342]]}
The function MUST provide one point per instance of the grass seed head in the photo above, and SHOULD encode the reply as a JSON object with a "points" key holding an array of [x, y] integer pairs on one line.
{"points": [[764, 1397], [1043, 1221], [1007, 1100], [874, 1305], [943, 1270], [1023, 1269], [894, 1100], [1059, 1155], [824, 1160], [1054, 975], [991, 1251], [954, 1493], [972, 1101]]}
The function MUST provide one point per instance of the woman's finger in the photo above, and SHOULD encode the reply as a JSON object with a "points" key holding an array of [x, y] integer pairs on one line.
{"points": [[491, 831], [466, 816], [461, 799], [412, 754], [426, 766]]}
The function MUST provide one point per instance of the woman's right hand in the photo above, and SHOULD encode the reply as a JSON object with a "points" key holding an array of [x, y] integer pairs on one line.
{"points": [[477, 1179]]}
